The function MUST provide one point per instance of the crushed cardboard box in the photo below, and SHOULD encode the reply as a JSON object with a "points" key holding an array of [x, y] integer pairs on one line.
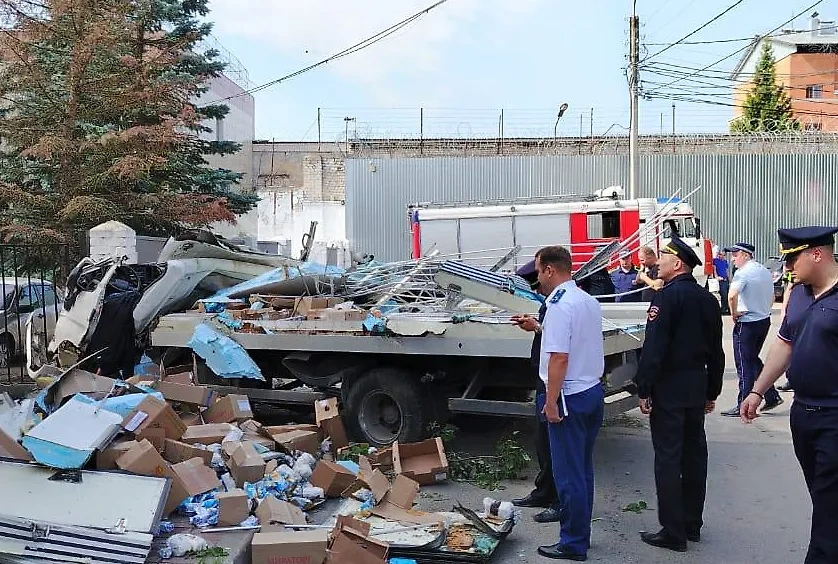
{"points": [[328, 418], [333, 478], [272, 511], [245, 464], [351, 542], [425, 462]]}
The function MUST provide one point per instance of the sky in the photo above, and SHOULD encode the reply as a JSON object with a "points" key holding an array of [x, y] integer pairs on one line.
{"points": [[467, 62]]}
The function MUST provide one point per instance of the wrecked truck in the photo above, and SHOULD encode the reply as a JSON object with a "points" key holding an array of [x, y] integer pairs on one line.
{"points": [[403, 346]]}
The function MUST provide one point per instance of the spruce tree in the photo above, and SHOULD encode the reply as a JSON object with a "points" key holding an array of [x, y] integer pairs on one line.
{"points": [[99, 120], [767, 106]]}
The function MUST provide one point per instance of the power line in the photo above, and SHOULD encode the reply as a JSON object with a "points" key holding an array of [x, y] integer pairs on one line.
{"points": [[723, 59], [735, 39], [718, 16], [372, 40]]}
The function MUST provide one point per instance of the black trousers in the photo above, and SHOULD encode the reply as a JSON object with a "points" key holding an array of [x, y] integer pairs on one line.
{"points": [[680, 467], [545, 486], [815, 436]]}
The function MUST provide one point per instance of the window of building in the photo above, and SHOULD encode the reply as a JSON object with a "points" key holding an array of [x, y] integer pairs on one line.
{"points": [[814, 91], [812, 126]]}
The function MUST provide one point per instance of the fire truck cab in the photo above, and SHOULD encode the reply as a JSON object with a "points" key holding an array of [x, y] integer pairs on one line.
{"points": [[482, 233]]}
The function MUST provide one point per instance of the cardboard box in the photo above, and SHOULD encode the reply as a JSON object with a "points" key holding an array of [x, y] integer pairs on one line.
{"points": [[185, 393], [176, 451], [306, 441], [305, 304], [328, 418], [246, 465], [424, 462], [191, 419], [373, 480], [269, 444], [106, 459], [206, 434], [228, 409], [233, 507], [300, 547], [280, 429], [144, 460], [156, 437], [153, 413], [332, 477], [397, 504], [10, 448], [79, 381], [185, 374], [351, 543], [272, 511], [195, 478]]}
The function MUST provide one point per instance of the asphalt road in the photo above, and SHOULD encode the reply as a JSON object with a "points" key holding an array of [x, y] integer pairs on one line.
{"points": [[757, 506]]}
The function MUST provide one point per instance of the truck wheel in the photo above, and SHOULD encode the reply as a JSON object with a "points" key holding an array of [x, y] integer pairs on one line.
{"points": [[386, 405]]}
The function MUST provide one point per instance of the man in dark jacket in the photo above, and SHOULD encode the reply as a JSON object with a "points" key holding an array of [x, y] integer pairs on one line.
{"points": [[544, 494], [678, 380]]}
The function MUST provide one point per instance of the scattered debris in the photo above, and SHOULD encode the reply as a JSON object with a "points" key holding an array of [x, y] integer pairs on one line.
{"points": [[636, 506]]}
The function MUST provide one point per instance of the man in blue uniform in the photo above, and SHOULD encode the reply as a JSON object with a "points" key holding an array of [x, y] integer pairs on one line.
{"points": [[571, 366], [623, 278], [679, 378], [544, 494], [805, 350]]}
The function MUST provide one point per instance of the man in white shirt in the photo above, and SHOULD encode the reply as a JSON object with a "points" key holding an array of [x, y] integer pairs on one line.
{"points": [[750, 298], [571, 366]]}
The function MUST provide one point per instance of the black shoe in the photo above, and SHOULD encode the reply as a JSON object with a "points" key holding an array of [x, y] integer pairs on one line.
{"points": [[530, 501], [771, 405], [556, 552], [662, 539], [732, 412], [694, 537], [549, 515]]}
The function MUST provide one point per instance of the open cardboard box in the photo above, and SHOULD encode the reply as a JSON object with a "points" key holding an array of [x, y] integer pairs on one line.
{"points": [[182, 374], [332, 477], [328, 419], [351, 543], [272, 512], [425, 462], [245, 464]]}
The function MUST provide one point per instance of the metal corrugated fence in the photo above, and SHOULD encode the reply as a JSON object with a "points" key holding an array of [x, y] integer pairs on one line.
{"points": [[743, 198]]}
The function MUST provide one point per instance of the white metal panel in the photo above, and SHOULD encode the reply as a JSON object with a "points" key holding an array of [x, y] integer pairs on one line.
{"points": [[474, 211], [441, 235], [479, 235], [534, 232], [98, 501]]}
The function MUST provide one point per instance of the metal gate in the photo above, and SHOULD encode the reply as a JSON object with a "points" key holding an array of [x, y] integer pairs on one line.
{"points": [[32, 282]]}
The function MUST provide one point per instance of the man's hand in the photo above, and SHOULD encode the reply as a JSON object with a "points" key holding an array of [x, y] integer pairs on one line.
{"points": [[645, 406], [526, 322], [657, 285], [748, 408], [551, 412], [735, 315], [709, 407]]}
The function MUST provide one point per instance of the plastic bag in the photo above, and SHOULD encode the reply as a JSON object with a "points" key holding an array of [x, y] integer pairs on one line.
{"points": [[183, 543]]}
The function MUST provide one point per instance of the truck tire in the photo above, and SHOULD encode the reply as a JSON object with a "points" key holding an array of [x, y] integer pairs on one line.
{"points": [[386, 405]]}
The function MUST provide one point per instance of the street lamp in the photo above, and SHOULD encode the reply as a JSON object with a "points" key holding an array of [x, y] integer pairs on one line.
{"points": [[562, 110], [346, 121]]}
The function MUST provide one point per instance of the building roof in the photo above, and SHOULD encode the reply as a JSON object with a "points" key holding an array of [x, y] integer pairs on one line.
{"points": [[791, 39]]}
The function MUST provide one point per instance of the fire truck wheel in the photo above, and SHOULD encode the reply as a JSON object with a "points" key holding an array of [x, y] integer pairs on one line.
{"points": [[386, 405]]}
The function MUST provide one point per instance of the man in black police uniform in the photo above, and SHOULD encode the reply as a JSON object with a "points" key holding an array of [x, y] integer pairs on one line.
{"points": [[544, 494], [678, 380], [805, 350]]}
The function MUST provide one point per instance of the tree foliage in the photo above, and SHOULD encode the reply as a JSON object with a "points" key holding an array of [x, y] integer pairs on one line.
{"points": [[767, 106], [100, 119]]}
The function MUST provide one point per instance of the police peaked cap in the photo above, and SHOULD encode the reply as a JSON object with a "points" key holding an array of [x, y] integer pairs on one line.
{"points": [[683, 251], [529, 273], [797, 239]]}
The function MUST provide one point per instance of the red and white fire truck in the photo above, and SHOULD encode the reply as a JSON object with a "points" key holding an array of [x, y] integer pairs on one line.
{"points": [[482, 233]]}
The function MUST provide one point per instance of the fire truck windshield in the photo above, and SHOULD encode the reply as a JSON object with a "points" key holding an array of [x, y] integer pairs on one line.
{"points": [[680, 226]]}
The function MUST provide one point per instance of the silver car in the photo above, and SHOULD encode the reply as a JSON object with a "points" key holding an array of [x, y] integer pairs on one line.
{"points": [[25, 300]]}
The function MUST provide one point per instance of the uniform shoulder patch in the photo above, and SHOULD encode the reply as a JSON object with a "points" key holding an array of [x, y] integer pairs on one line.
{"points": [[653, 312], [557, 296]]}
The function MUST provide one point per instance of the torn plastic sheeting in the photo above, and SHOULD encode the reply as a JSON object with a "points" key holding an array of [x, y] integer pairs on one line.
{"points": [[121, 405], [277, 276], [67, 438], [225, 357]]}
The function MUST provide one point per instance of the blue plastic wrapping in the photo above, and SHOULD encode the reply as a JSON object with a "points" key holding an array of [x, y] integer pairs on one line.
{"points": [[122, 405], [225, 357], [375, 325]]}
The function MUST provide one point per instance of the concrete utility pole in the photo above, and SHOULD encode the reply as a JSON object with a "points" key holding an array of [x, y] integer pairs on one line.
{"points": [[634, 89]]}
